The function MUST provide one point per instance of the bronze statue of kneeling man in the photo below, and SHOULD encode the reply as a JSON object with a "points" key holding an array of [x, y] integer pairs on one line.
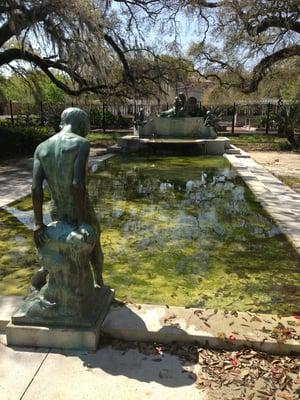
{"points": [[69, 247]]}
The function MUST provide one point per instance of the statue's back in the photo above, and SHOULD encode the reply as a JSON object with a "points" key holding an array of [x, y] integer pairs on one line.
{"points": [[57, 156]]}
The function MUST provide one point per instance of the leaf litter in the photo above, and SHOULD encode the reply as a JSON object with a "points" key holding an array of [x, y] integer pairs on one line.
{"points": [[243, 374]]}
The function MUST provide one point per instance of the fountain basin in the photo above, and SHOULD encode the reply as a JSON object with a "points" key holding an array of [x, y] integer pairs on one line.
{"points": [[182, 231], [134, 143]]}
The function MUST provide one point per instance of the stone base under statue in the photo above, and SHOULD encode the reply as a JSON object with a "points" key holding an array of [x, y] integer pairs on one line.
{"points": [[60, 337], [69, 305], [32, 312]]}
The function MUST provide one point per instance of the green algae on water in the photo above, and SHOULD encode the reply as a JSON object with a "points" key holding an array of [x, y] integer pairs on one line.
{"points": [[187, 232], [18, 259], [180, 231]]}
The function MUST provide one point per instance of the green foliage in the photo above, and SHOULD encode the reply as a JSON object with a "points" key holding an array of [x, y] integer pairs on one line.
{"points": [[52, 93], [110, 120], [213, 117], [32, 88], [17, 88], [21, 140], [261, 121], [288, 119]]}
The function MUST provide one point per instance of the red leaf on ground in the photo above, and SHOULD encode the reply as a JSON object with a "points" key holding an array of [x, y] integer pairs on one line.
{"points": [[231, 337], [296, 316]]}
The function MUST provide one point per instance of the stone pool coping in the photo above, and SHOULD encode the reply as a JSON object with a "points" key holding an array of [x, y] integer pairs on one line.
{"points": [[281, 202], [217, 329]]}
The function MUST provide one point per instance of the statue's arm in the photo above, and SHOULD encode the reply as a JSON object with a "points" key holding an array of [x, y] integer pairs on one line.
{"points": [[37, 201], [78, 183], [37, 191]]}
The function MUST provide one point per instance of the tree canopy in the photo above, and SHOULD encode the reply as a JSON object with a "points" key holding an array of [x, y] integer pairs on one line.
{"points": [[245, 39], [108, 47], [95, 45]]}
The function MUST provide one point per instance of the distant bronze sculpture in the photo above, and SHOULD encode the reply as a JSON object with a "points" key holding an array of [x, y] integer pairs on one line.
{"points": [[178, 108], [140, 118], [185, 120], [192, 109], [69, 247], [141, 115], [184, 108]]}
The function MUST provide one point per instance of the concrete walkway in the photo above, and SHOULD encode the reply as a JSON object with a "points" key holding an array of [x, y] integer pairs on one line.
{"points": [[108, 374], [15, 179], [16, 175]]}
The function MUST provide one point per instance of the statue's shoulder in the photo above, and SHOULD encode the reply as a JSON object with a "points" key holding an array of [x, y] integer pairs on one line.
{"points": [[82, 141], [43, 147]]}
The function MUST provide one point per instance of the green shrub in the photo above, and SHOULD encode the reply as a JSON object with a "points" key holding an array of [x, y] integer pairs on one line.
{"points": [[21, 140], [22, 120], [111, 121], [261, 121]]}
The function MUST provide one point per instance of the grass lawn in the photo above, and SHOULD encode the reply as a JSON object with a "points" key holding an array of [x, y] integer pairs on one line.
{"points": [[97, 136], [291, 181], [104, 139], [254, 142]]}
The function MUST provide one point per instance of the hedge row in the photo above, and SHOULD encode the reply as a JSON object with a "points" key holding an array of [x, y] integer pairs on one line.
{"points": [[21, 140], [109, 120]]}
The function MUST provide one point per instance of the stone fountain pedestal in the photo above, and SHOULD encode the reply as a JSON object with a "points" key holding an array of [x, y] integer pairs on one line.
{"points": [[133, 143], [176, 134]]}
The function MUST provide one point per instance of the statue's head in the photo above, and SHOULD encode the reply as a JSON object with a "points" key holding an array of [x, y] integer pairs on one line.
{"points": [[191, 104], [182, 98], [177, 101], [77, 119]]}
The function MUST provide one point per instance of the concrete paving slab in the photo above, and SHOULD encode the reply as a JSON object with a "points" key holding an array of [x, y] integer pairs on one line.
{"points": [[112, 374], [15, 179], [17, 368]]}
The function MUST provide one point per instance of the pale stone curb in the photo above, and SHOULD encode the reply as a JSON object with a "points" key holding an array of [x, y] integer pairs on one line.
{"points": [[212, 328], [162, 324], [281, 202]]}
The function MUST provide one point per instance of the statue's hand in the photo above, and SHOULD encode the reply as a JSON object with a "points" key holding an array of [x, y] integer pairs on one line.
{"points": [[39, 235]]}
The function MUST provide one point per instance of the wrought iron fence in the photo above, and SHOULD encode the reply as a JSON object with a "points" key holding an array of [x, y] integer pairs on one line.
{"points": [[104, 115]]}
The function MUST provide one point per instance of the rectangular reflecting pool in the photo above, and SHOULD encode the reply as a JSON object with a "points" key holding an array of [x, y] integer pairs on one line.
{"points": [[181, 231]]}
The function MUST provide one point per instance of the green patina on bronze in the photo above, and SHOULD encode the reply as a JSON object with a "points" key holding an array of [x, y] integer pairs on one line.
{"points": [[69, 247]]}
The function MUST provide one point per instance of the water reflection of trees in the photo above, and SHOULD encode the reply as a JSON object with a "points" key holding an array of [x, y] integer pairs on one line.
{"points": [[215, 199]]}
